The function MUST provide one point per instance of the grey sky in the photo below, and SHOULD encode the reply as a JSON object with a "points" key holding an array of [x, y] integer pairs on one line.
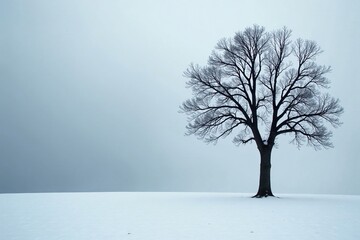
{"points": [[89, 96]]}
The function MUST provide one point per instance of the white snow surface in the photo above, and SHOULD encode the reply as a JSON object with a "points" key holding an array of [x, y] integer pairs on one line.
{"points": [[171, 216]]}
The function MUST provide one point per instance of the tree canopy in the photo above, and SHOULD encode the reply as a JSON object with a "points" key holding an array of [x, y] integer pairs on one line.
{"points": [[260, 78]]}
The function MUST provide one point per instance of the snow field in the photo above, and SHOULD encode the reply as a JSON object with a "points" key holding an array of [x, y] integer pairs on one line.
{"points": [[172, 216]]}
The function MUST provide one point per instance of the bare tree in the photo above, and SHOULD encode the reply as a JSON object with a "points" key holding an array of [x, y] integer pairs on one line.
{"points": [[260, 85]]}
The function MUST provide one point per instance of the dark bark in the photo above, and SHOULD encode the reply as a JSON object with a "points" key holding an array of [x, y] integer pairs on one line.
{"points": [[265, 167]]}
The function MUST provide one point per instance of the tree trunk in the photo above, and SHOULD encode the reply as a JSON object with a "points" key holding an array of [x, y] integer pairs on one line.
{"points": [[265, 166]]}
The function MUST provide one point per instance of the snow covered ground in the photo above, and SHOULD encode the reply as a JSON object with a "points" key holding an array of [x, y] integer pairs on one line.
{"points": [[171, 216]]}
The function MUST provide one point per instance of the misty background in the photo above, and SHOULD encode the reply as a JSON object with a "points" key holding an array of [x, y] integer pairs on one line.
{"points": [[90, 94]]}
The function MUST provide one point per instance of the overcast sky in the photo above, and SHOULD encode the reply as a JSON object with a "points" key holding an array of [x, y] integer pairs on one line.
{"points": [[90, 93]]}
